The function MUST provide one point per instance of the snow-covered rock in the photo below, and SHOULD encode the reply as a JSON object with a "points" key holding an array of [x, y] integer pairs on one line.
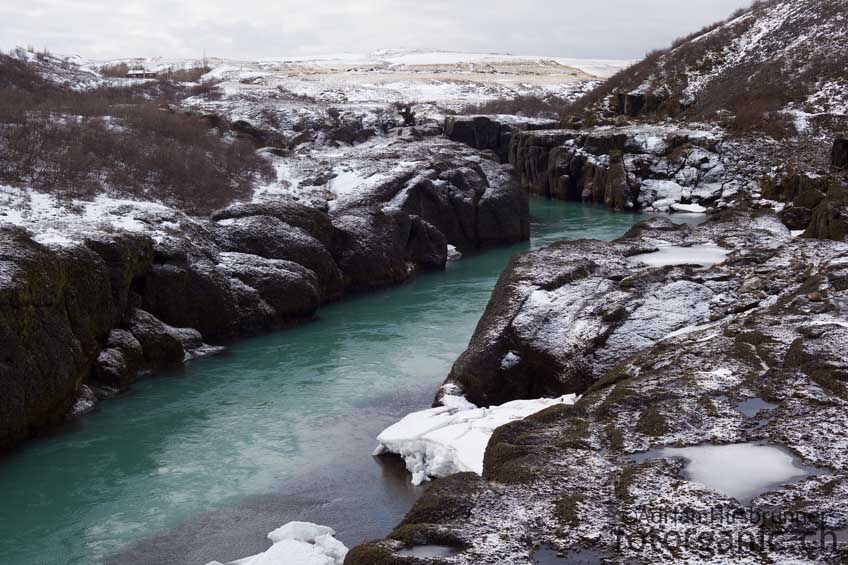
{"points": [[657, 168], [452, 438], [686, 348]]}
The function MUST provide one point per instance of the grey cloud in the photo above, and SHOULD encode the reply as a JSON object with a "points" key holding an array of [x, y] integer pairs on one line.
{"points": [[273, 28]]}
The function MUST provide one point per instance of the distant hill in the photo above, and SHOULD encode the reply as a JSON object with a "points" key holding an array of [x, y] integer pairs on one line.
{"points": [[782, 64]]}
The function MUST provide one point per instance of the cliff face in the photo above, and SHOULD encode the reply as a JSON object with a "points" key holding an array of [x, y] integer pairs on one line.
{"points": [[82, 313], [492, 133], [55, 309]]}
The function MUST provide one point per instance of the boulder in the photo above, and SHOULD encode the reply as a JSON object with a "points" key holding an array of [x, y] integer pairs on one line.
{"points": [[830, 217], [270, 293], [212, 309], [271, 238], [313, 221], [118, 364], [161, 344], [503, 214], [372, 248], [427, 247]]}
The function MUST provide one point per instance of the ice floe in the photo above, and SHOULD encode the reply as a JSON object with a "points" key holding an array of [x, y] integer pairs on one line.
{"points": [[298, 543], [452, 438]]}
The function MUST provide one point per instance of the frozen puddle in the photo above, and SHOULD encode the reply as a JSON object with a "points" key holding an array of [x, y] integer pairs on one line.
{"points": [[752, 407], [429, 551], [742, 471], [452, 439], [702, 255]]}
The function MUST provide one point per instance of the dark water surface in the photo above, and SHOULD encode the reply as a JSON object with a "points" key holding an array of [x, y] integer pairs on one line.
{"points": [[200, 465]]}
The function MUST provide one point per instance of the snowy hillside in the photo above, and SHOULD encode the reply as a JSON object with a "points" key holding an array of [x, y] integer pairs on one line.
{"points": [[780, 61]]}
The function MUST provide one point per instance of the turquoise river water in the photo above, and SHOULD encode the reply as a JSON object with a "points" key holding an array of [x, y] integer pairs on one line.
{"points": [[200, 464]]}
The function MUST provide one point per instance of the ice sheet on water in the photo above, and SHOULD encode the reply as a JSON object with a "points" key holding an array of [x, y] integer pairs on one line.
{"points": [[452, 439], [299, 543]]}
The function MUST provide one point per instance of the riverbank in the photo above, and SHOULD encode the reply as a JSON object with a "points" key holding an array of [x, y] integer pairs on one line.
{"points": [[201, 439], [669, 335]]}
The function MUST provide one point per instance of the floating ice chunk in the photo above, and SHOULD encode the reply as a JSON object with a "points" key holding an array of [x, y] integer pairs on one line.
{"points": [[452, 439], [299, 543], [703, 255]]}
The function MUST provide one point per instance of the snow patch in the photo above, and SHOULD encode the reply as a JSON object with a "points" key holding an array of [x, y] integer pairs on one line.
{"points": [[703, 255], [299, 543], [452, 439]]}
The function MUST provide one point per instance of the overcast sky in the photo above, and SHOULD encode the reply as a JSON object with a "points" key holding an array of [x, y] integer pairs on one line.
{"points": [[273, 28]]}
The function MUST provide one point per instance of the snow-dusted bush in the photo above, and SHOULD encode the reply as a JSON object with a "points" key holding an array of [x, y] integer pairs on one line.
{"points": [[125, 142]]}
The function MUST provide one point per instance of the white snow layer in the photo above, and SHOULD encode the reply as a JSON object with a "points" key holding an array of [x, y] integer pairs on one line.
{"points": [[703, 255], [452, 439], [299, 543]]}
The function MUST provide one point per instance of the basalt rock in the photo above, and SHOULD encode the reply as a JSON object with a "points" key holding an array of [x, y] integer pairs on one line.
{"points": [[561, 317], [270, 293], [640, 167], [55, 311], [212, 309], [313, 221], [118, 364], [161, 344], [372, 250], [830, 217], [839, 154], [581, 477], [271, 238], [635, 104], [492, 133]]}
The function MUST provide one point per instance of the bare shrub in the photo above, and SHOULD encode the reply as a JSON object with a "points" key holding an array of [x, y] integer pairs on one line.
{"points": [[118, 70], [122, 141], [532, 106], [184, 75]]}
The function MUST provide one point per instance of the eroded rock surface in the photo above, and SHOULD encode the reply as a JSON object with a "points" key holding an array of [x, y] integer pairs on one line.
{"points": [[663, 356], [93, 295]]}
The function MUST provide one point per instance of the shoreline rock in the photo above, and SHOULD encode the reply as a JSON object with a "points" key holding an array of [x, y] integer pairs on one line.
{"points": [[770, 331], [103, 303]]}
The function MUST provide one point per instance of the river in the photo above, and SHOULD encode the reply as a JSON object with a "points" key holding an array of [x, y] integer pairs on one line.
{"points": [[201, 463]]}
